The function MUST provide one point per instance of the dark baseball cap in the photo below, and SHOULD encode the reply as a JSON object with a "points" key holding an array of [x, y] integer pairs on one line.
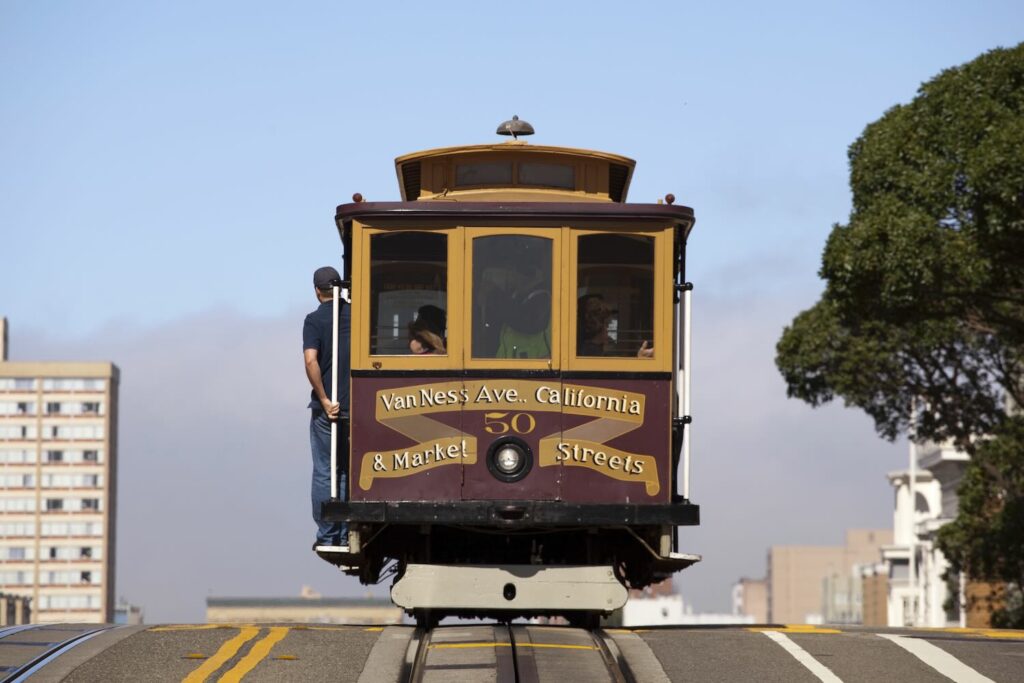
{"points": [[326, 277]]}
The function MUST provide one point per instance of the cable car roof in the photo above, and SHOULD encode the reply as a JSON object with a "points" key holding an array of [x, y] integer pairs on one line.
{"points": [[485, 172]]}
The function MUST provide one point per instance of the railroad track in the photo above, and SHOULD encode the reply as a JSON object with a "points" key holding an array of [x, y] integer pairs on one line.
{"points": [[514, 653], [24, 650]]}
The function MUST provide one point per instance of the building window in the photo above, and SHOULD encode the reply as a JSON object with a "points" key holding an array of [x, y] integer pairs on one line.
{"points": [[54, 432], [23, 408], [91, 456], [54, 504], [90, 503], [85, 553], [86, 577], [91, 408], [52, 408], [54, 456], [15, 553]]}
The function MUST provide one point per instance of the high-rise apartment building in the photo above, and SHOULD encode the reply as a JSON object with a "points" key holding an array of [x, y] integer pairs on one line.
{"points": [[58, 475]]}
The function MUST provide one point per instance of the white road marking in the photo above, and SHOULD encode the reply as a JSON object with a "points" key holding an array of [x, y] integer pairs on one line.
{"points": [[938, 659], [801, 655]]}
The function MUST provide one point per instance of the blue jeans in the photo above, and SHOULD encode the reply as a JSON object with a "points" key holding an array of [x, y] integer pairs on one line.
{"points": [[328, 533]]}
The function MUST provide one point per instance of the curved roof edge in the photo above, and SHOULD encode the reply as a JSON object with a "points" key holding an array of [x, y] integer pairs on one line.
{"points": [[518, 146], [535, 210]]}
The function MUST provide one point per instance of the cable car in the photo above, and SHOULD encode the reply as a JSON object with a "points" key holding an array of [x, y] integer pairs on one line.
{"points": [[519, 383]]}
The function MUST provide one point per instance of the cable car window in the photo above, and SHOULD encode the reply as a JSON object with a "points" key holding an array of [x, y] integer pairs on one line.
{"points": [[408, 293], [615, 295], [512, 297], [547, 175], [484, 173]]}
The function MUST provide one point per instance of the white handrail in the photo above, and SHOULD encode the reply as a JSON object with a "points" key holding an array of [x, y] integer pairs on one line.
{"points": [[334, 394], [687, 428]]}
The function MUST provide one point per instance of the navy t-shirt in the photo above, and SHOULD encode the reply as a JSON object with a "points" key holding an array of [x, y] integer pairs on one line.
{"points": [[316, 334]]}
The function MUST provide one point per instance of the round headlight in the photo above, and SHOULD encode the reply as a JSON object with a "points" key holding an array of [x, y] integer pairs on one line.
{"points": [[508, 459]]}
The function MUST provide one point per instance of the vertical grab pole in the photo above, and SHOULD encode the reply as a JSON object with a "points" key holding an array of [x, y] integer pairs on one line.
{"points": [[677, 363], [687, 430], [334, 394], [912, 541]]}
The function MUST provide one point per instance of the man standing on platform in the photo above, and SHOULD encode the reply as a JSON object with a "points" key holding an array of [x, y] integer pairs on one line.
{"points": [[317, 340]]}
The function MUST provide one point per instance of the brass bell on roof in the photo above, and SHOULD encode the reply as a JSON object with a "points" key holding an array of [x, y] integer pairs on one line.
{"points": [[515, 128]]}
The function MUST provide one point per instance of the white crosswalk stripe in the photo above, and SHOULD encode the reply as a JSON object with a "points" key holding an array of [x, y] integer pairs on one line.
{"points": [[801, 655], [938, 659]]}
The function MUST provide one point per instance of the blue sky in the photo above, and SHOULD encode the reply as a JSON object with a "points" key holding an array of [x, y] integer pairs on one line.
{"points": [[170, 168], [161, 158]]}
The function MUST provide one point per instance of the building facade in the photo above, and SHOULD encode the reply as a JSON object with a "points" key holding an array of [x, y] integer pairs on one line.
{"points": [[925, 501], [750, 598], [366, 611], [58, 467], [801, 577], [874, 594]]}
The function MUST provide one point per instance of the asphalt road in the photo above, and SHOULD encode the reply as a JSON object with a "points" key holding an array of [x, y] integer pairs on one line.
{"points": [[315, 652]]}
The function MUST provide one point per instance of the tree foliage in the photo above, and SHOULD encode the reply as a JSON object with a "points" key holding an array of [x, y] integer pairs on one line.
{"points": [[924, 295], [987, 537]]}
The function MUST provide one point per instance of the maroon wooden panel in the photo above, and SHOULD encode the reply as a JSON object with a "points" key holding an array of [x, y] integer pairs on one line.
{"points": [[532, 426], [593, 441], [387, 421], [633, 466]]}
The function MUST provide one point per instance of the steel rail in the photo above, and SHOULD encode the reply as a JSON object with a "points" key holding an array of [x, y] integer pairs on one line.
{"points": [[417, 667], [11, 630], [32, 666], [514, 663], [612, 660]]}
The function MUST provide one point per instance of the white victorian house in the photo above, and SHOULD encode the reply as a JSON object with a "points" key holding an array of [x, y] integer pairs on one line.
{"points": [[925, 500]]}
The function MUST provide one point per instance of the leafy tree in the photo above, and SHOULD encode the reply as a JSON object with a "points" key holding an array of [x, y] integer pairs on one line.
{"points": [[924, 296], [987, 537]]}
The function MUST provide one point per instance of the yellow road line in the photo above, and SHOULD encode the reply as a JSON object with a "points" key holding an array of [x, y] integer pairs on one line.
{"points": [[368, 629], [982, 632], [194, 627], [794, 628], [256, 655], [297, 627], [452, 646], [226, 652]]}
